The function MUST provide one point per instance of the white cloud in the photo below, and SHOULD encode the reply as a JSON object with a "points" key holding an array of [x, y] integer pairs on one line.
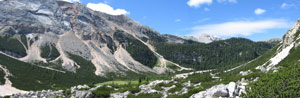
{"points": [[197, 3], [235, 28], [287, 6], [259, 11], [178, 20], [284, 5], [107, 9], [230, 1]]}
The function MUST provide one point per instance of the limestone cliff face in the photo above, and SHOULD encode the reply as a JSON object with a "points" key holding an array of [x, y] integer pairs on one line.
{"points": [[72, 28], [292, 35]]}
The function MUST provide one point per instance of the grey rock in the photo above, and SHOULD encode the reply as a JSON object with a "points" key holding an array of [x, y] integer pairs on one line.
{"points": [[50, 19]]}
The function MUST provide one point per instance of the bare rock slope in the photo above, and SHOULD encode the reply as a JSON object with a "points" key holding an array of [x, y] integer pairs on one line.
{"points": [[76, 29]]}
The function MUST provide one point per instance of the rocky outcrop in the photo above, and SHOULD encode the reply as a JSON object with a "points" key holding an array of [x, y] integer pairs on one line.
{"points": [[40, 94], [290, 41], [273, 41], [245, 73], [233, 89], [80, 91], [120, 95], [292, 35]]}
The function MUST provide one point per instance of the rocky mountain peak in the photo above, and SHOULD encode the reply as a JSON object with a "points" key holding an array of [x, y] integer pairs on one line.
{"points": [[203, 38], [74, 29], [292, 35]]}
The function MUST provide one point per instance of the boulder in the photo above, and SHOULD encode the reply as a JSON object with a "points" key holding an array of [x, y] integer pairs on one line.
{"points": [[231, 88]]}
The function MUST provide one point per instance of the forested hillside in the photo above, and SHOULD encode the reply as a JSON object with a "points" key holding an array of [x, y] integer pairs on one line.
{"points": [[225, 53], [281, 84]]}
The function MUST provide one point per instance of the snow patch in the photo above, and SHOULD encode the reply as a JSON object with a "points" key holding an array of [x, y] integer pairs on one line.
{"points": [[276, 59], [203, 38], [281, 55]]}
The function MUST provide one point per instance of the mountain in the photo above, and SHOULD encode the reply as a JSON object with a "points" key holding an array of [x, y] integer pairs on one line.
{"points": [[273, 74], [57, 42], [225, 53], [61, 28], [282, 69], [49, 44], [203, 38], [274, 41]]}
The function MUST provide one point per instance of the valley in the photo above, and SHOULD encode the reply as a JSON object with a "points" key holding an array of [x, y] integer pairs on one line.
{"points": [[54, 48]]}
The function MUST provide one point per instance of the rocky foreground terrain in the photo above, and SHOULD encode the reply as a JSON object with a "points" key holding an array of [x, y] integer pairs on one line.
{"points": [[233, 89]]}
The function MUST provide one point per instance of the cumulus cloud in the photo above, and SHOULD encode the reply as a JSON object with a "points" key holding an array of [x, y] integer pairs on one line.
{"points": [[235, 28], [230, 1], [259, 11], [197, 3], [107, 9]]}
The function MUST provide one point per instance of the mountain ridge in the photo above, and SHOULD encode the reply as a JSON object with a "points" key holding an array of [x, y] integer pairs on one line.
{"points": [[50, 44], [203, 38]]}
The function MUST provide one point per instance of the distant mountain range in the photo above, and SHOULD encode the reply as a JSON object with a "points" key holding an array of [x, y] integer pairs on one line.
{"points": [[203, 38]]}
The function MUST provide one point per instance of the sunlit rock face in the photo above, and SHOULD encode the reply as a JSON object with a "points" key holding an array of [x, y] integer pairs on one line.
{"points": [[72, 28]]}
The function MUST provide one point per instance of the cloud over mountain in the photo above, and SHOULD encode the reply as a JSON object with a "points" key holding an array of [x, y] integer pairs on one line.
{"points": [[235, 28], [107, 9]]}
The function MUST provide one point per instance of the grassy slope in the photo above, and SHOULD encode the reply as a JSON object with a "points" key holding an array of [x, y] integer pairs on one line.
{"points": [[207, 81], [49, 51], [10, 43], [282, 84], [30, 77], [234, 75]]}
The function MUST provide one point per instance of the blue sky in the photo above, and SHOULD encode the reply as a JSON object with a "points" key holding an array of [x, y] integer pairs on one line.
{"points": [[253, 19]]}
